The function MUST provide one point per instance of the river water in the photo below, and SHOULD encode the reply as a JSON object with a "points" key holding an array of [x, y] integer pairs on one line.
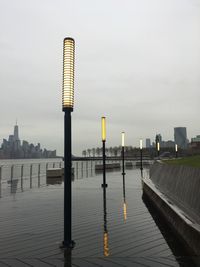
{"points": [[17, 175]]}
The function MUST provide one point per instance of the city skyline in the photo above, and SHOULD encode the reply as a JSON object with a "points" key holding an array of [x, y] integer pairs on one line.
{"points": [[137, 64], [15, 148]]}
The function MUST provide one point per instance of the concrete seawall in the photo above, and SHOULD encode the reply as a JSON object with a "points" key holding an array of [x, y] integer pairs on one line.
{"points": [[174, 190]]}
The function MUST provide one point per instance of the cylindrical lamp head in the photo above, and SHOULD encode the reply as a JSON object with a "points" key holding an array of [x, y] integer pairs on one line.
{"points": [[140, 143], [176, 148], [158, 146], [123, 139], [68, 74], [103, 128]]}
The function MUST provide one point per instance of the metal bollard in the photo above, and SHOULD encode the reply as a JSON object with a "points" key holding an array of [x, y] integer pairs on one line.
{"points": [[22, 174], [39, 175], [77, 170], [38, 170], [31, 170], [11, 176]]}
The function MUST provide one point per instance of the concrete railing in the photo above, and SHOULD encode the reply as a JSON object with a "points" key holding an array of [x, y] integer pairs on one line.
{"points": [[181, 184], [174, 191]]}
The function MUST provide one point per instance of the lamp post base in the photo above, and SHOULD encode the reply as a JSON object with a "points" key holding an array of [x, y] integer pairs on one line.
{"points": [[68, 245], [104, 185]]}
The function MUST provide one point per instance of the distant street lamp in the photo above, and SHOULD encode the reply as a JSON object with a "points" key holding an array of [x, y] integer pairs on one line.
{"points": [[67, 106], [176, 150], [141, 165], [158, 149], [123, 143], [103, 134]]}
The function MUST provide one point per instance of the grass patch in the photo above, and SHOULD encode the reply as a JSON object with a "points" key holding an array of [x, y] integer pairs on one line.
{"points": [[193, 161]]}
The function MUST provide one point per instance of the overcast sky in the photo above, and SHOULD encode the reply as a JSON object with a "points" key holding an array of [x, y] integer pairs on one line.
{"points": [[137, 63]]}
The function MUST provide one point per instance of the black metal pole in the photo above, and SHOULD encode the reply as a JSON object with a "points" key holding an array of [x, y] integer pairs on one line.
{"points": [[123, 172], [67, 243], [104, 210], [158, 153], [124, 195], [141, 165], [104, 164], [176, 154]]}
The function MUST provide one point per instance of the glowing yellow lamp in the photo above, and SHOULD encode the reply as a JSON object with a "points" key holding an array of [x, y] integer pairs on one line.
{"points": [[140, 143], [176, 148], [103, 128], [68, 74], [158, 146], [123, 139]]}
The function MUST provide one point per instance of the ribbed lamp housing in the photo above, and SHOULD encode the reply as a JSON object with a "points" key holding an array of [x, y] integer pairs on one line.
{"points": [[103, 128], [123, 139], [68, 74], [140, 143]]}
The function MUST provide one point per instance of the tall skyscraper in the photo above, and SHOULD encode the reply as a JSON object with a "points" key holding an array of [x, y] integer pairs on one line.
{"points": [[16, 133], [16, 137], [180, 137]]}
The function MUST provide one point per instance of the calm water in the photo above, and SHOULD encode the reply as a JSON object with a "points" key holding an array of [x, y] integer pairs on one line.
{"points": [[23, 174]]}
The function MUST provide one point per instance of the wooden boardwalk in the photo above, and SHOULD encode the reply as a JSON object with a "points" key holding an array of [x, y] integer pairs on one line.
{"points": [[112, 228]]}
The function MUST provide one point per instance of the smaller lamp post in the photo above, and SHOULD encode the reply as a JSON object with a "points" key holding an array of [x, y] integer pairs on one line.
{"points": [[141, 167], [123, 142], [103, 133], [176, 150], [158, 149]]}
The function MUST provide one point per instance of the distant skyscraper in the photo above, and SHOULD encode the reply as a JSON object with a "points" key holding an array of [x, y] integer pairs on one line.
{"points": [[16, 133], [180, 137], [148, 142], [16, 137]]}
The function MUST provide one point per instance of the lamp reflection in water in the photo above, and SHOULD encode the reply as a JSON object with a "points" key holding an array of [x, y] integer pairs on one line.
{"points": [[124, 199], [105, 233]]}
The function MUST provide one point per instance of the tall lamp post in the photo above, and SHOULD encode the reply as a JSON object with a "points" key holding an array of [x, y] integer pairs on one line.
{"points": [[176, 150], [158, 149], [123, 143], [141, 165], [103, 135], [67, 106]]}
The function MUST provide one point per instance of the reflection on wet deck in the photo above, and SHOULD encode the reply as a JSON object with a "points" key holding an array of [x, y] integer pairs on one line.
{"points": [[113, 226]]}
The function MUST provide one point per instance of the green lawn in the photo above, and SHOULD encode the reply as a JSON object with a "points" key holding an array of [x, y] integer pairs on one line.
{"points": [[193, 161]]}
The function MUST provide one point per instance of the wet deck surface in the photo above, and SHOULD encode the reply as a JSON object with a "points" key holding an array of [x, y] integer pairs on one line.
{"points": [[116, 227]]}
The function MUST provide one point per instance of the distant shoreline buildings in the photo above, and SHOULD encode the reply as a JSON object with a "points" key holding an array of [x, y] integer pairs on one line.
{"points": [[13, 148], [180, 142]]}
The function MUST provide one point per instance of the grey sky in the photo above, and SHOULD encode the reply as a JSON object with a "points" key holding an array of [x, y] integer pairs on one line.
{"points": [[137, 63]]}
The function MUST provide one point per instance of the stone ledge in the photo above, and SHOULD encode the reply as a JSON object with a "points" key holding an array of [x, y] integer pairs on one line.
{"points": [[184, 227]]}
